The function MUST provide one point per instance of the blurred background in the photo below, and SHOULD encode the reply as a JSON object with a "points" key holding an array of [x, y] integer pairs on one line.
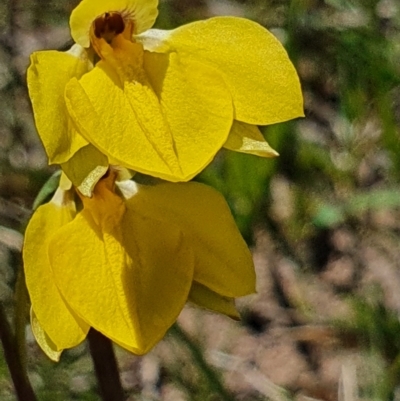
{"points": [[322, 219]]}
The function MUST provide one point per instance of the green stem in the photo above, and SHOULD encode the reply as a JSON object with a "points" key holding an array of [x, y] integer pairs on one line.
{"points": [[23, 388], [205, 368], [105, 366]]}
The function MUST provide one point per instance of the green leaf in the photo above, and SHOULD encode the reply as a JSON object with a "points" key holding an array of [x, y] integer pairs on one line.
{"points": [[48, 188]]}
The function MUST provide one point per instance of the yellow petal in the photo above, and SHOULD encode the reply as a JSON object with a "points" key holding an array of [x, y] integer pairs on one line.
{"points": [[196, 104], [223, 262], [128, 277], [44, 341], [173, 136], [47, 76], [62, 326], [125, 124], [165, 272], [247, 138], [255, 66], [143, 13], [86, 168], [65, 183], [205, 298]]}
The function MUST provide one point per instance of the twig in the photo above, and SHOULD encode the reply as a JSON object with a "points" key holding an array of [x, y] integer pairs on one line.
{"points": [[23, 388], [106, 368]]}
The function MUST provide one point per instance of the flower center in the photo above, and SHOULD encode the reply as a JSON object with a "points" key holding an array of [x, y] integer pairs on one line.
{"points": [[108, 26]]}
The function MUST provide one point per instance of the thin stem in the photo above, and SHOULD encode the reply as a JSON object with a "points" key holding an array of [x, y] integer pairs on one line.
{"points": [[105, 366], [23, 388], [205, 368], [22, 306]]}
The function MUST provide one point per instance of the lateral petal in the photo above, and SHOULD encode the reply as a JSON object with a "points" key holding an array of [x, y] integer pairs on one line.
{"points": [[47, 76], [248, 138], [63, 327], [223, 263], [263, 82]]}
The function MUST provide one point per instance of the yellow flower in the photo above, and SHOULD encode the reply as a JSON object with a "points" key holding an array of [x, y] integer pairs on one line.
{"points": [[160, 102], [129, 260]]}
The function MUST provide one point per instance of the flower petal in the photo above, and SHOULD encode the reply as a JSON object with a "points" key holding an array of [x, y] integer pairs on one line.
{"points": [[255, 66], [47, 76], [223, 262], [196, 104], [63, 327], [85, 168], [44, 341], [143, 13], [205, 298], [165, 272], [128, 277], [247, 138], [105, 116], [174, 139]]}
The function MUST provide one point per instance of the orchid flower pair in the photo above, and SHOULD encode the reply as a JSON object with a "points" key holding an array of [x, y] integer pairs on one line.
{"points": [[121, 257]]}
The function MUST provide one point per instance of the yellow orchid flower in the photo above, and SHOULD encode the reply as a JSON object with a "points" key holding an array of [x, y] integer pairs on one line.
{"points": [[160, 102], [128, 261]]}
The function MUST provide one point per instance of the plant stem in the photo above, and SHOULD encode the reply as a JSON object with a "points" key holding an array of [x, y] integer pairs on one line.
{"points": [[105, 366], [23, 388], [22, 306]]}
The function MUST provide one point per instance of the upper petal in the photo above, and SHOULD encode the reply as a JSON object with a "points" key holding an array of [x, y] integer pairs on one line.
{"points": [[47, 77], [223, 263], [262, 80], [143, 13], [64, 328]]}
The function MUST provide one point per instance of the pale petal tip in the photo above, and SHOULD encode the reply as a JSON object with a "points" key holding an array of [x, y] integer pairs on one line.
{"points": [[43, 340], [88, 184]]}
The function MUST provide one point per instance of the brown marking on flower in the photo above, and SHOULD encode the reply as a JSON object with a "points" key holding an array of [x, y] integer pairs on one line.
{"points": [[108, 25]]}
